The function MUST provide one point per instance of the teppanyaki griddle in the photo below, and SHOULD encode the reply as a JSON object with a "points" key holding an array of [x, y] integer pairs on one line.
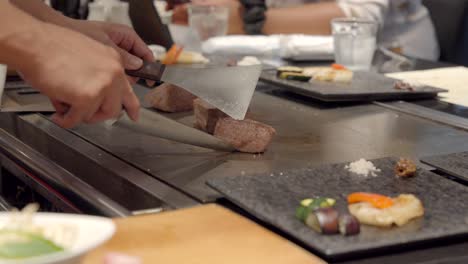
{"points": [[273, 198], [455, 164], [308, 133], [365, 86]]}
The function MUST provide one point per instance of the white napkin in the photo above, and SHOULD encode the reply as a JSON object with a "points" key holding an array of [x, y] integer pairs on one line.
{"points": [[306, 47], [242, 45], [296, 47]]}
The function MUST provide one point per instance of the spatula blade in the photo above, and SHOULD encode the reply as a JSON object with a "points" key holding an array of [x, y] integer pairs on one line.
{"points": [[230, 89]]}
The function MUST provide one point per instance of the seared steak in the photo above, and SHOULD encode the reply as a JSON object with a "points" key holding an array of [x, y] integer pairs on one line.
{"points": [[245, 135], [206, 115], [170, 98]]}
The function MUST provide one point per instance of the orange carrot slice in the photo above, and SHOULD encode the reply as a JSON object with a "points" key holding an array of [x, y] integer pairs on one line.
{"points": [[177, 54], [337, 66], [172, 55], [377, 200]]}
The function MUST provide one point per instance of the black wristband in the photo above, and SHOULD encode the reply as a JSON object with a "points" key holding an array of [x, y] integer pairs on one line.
{"points": [[254, 16], [253, 3]]}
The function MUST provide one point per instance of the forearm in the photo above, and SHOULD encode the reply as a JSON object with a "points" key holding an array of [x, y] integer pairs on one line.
{"points": [[39, 10], [305, 19], [18, 35]]}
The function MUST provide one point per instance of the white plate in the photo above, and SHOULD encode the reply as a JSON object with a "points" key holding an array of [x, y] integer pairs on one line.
{"points": [[91, 231]]}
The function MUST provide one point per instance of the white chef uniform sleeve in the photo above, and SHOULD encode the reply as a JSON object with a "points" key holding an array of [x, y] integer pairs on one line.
{"points": [[370, 9]]}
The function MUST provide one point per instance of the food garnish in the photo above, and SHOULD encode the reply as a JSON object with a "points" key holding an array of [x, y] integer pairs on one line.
{"points": [[172, 55], [402, 85], [349, 225], [323, 220], [363, 167], [294, 76], [336, 73], [309, 205], [405, 168], [376, 200], [320, 215], [337, 66], [329, 74], [405, 208], [288, 69], [20, 238], [15, 244]]}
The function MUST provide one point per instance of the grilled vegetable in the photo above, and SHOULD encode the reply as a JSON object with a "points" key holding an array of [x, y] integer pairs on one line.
{"points": [[303, 209], [376, 200], [288, 69], [309, 205], [294, 76], [349, 225], [323, 220], [322, 202]]}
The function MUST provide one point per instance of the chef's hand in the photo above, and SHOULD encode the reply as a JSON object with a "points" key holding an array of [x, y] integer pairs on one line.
{"points": [[123, 39], [84, 79]]}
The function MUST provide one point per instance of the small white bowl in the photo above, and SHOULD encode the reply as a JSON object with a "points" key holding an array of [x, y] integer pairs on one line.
{"points": [[91, 232]]}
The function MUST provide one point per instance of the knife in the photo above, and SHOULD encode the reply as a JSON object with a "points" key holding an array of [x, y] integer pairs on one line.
{"points": [[230, 89]]}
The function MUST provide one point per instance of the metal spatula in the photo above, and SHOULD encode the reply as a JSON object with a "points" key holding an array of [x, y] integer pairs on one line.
{"points": [[229, 88], [157, 125]]}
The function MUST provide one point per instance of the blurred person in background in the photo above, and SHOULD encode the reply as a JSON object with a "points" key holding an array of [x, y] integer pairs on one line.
{"points": [[405, 25]]}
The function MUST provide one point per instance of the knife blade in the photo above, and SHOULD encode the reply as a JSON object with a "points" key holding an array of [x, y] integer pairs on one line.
{"points": [[157, 125], [230, 89]]}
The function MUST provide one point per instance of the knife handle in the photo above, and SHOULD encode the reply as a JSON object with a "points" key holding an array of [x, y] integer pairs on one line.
{"points": [[149, 71]]}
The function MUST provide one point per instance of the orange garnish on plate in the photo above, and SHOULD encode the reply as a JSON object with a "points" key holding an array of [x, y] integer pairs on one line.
{"points": [[337, 66], [377, 200], [172, 55]]}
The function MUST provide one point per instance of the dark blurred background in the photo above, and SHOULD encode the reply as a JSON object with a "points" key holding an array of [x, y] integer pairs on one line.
{"points": [[450, 18]]}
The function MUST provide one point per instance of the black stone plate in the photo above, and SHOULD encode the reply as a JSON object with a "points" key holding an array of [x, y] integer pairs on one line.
{"points": [[274, 198], [455, 164], [365, 86]]}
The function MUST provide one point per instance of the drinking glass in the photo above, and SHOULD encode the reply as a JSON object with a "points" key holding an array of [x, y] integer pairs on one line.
{"points": [[208, 21], [354, 42]]}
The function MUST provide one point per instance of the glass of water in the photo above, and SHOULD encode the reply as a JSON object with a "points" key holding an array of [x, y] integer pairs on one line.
{"points": [[354, 41], [208, 21]]}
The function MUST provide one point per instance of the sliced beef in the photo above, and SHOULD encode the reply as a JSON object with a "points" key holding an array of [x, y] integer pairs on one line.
{"points": [[170, 98], [245, 135], [206, 115]]}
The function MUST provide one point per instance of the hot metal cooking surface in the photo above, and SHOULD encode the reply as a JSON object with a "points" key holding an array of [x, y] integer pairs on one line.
{"points": [[308, 133]]}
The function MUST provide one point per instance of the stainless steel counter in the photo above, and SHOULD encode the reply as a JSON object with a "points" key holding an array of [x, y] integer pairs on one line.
{"points": [[71, 171]]}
